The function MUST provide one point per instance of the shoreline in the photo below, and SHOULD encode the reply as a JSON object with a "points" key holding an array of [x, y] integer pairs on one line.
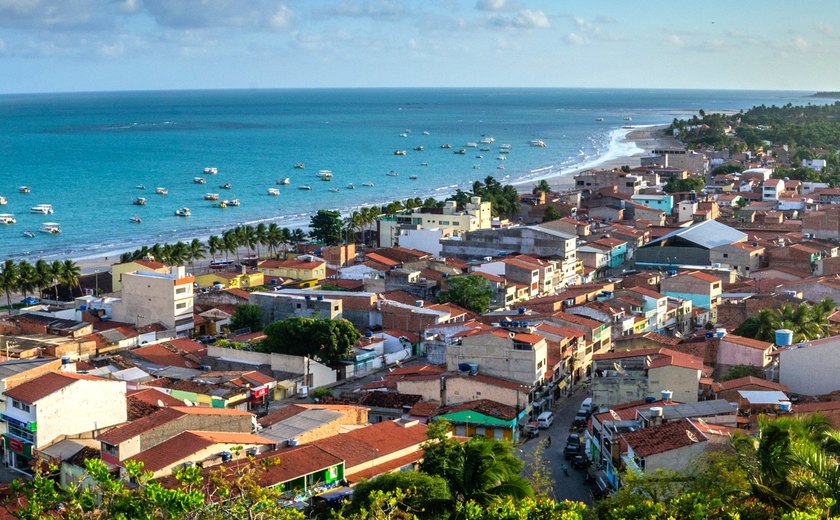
{"points": [[627, 146]]}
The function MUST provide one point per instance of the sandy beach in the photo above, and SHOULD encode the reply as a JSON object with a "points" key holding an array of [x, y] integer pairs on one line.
{"points": [[640, 141]]}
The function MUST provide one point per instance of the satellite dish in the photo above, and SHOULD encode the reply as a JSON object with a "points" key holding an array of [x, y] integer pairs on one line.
{"points": [[691, 436], [615, 415], [160, 404], [618, 368], [188, 402], [702, 423]]}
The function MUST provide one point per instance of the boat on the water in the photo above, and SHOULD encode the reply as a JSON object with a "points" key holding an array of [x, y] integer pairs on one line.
{"points": [[487, 140], [162, 191], [500, 167], [139, 201], [43, 209], [399, 152], [403, 134], [325, 175], [29, 234], [7, 218], [367, 184], [424, 164], [471, 145], [232, 202], [599, 119], [221, 204], [393, 173], [284, 181], [226, 186], [446, 146], [501, 158], [479, 157], [504, 147], [484, 149], [211, 196], [211, 170], [462, 151], [334, 190], [538, 143], [628, 118], [50, 228], [24, 189], [425, 132], [412, 177], [300, 166], [418, 148], [199, 180], [3, 201], [274, 192], [183, 212], [305, 187], [135, 219], [141, 186]]}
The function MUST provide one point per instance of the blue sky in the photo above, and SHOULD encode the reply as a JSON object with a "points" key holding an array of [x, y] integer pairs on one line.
{"points": [[71, 45]]}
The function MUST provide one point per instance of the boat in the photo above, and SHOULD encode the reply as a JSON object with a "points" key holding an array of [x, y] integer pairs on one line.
{"points": [[403, 134], [399, 152], [393, 173], [538, 143], [487, 140], [273, 192], [418, 148], [325, 175], [504, 151], [222, 204], [484, 149], [447, 146], [211, 170], [135, 219], [162, 191], [29, 234], [334, 190], [183, 212], [24, 189], [232, 202], [3, 201], [226, 186], [501, 158], [475, 166], [367, 184], [284, 181], [351, 186], [199, 180], [141, 186], [305, 187], [300, 166], [7, 218], [504, 147], [462, 151], [628, 118], [51, 228], [139, 201], [424, 164], [43, 209], [215, 196], [479, 157], [425, 132], [500, 167], [412, 177], [599, 119], [471, 145]]}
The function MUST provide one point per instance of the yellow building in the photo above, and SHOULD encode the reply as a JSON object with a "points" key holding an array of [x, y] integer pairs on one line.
{"points": [[149, 266], [301, 268], [449, 220], [231, 280]]}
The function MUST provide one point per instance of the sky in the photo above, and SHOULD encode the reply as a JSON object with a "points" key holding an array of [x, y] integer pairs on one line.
{"points": [[96, 45]]}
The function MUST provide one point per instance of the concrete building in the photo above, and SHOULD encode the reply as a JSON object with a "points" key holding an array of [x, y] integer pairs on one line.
{"points": [[449, 220], [688, 246], [518, 356], [146, 266], [280, 306], [702, 289], [46, 409], [306, 267], [743, 257], [812, 367], [594, 181], [152, 297], [670, 446], [689, 160], [658, 201], [771, 189], [451, 388]]}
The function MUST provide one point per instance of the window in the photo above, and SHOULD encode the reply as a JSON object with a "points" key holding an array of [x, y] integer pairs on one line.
{"points": [[110, 450], [180, 290], [180, 305], [20, 406], [726, 255], [20, 433]]}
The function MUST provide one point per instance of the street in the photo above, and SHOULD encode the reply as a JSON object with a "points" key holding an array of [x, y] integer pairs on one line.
{"points": [[570, 487]]}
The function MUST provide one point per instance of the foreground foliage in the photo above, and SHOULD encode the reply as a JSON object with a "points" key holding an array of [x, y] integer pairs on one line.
{"points": [[328, 340]]}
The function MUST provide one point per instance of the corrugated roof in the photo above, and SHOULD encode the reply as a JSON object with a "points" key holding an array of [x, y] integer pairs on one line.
{"points": [[708, 234]]}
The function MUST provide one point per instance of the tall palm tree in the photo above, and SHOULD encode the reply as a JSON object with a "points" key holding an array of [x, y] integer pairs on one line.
{"points": [[230, 238], [273, 238], [215, 245], [197, 251], [158, 253], [45, 275], [70, 274], [248, 238], [297, 237], [261, 234], [9, 280], [57, 274], [27, 278]]}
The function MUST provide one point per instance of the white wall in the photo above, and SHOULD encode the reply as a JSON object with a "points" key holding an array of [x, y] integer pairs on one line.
{"points": [[812, 370], [80, 407], [321, 375], [427, 240]]}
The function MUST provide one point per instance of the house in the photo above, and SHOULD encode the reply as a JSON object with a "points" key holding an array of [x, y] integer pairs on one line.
{"points": [[283, 305], [598, 334], [148, 266], [672, 446], [451, 388], [450, 220], [728, 390], [771, 189], [812, 367], [484, 418], [227, 280], [305, 423], [688, 246], [736, 350], [305, 267], [622, 182], [46, 409], [702, 289], [154, 297], [516, 354], [744, 257], [659, 201]]}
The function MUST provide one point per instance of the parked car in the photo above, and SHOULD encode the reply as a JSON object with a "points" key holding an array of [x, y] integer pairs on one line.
{"points": [[571, 450], [579, 462], [573, 438], [531, 430], [29, 300]]}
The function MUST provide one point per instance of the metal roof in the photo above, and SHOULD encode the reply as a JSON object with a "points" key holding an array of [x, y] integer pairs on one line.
{"points": [[690, 410], [763, 396], [297, 424], [16, 366], [708, 234]]}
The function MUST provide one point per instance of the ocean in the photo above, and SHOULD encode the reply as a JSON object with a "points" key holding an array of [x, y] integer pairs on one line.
{"points": [[88, 154]]}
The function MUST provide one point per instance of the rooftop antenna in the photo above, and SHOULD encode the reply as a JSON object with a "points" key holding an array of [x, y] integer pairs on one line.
{"points": [[691, 436]]}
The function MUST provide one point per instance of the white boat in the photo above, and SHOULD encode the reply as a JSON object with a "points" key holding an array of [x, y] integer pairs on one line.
{"points": [[628, 118], [393, 173], [139, 201], [471, 145], [305, 187], [367, 184], [7, 218], [232, 202], [135, 219], [403, 134], [446, 146], [300, 166], [141, 186], [183, 212], [425, 132], [505, 147], [199, 180], [215, 196], [51, 228], [501, 158], [226, 186], [399, 152], [211, 170], [487, 140], [43, 209], [273, 192], [599, 119], [479, 157], [3, 200], [351, 186], [29, 234], [539, 143], [412, 177], [484, 149], [500, 167], [505, 152], [334, 190], [162, 191], [325, 175], [284, 181], [24, 189], [462, 151]]}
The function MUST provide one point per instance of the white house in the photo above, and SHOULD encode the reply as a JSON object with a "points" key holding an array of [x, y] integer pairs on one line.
{"points": [[152, 297], [811, 368]]}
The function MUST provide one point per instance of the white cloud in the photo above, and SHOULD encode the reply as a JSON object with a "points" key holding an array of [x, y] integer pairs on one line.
{"points": [[375, 10], [675, 40], [524, 19], [281, 19], [574, 39], [800, 43]]}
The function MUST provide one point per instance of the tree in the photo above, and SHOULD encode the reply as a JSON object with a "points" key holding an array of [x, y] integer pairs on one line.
{"points": [[70, 274], [27, 278], [197, 251], [805, 321], [426, 496], [471, 292], [9, 280], [325, 227], [551, 213], [541, 186], [739, 371], [246, 316], [674, 185], [328, 340]]}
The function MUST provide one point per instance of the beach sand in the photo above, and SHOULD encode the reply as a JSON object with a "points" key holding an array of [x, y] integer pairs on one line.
{"points": [[640, 139]]}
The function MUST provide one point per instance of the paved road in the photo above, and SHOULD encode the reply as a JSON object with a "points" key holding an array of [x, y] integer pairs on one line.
{"points": [[570, 487]]}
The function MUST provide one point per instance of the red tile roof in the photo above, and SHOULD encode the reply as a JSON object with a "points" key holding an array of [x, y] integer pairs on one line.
{"points": [[373, 442], [662, 437], [382, 260], [647, 292], [130, 430], [154, 396], [701, 276], [183, 445], [578, 320], [42, 386], [751, 380], [238, 292], [746, 342], [485, 407], [151, 264]]}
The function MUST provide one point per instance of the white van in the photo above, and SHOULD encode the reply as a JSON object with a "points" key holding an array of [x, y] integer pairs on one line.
{"points": [[545, 419], [586, 404]]}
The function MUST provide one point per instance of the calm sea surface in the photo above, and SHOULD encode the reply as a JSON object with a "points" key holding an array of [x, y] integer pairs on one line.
{"points": [[87, 153]]}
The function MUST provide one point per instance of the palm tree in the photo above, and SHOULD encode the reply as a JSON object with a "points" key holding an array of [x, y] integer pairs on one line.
{"points": [[45, 275], [27, 278], [157, 253], [230, 239], [215, 245], [70, 274], [9, 280], [261, 235], [56, 275], [273, 238], [197, 251], [297, 237], [542, 186], [248, 238]]}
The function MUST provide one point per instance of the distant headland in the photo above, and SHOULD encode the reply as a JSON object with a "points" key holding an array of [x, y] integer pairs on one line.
{"points": [[827, 95]]}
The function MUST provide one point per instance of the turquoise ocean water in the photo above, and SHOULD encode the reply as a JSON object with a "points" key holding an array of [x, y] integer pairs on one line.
{"points": [[86, 153]]}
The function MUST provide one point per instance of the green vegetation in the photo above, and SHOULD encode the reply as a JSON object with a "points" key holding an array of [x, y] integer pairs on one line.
{"points": [[694, 184], [246, 316], [25, 278], [504, 199], [551, 213], [739, 371], [471, 292], [541, 187], [327, 340], [806, 321], [325, 227]]}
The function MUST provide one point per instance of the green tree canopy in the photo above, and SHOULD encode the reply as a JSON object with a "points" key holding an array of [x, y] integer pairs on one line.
{"points": [[427, 496], [694, 184], [247, 316], [471, 292], [739, 371], [327, 340], [806, 321], [325, 226]]}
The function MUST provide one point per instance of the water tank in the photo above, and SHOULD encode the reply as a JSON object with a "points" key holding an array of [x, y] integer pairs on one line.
{"points": [[65, 360], [667, 395], [504, 323], [463, 367], [226, 456], [368, 333], [253, 452], [784, 337], [293, 442], [303, 391], [82, 307], [784, 406], [473, 368], [710, 334], [418, 303], [650, 399], [656, 411], [307, 297], [514, 323], [320, 298], [720, 333], [523, 324], [521, 310]]}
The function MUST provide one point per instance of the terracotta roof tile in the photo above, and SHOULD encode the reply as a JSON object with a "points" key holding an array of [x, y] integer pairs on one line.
{"points": [[130, 430], [183, 445], [372, 442], [662, 438], [36, 389], [747, 342]]}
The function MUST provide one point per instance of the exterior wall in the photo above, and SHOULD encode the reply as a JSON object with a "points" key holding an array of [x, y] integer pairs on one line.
{"points": [[210, 452], [279, 306], [427, 240], [684, 382], [117, 270], [316, 273], [611, 391], [671, 255], [661, 202], [497, 357], [675, 460], [460, 390], [811, 370], [700, 293], [476, 215], [730, 354], [317, 374], [155, 297], [524, 240], [743, 261]]}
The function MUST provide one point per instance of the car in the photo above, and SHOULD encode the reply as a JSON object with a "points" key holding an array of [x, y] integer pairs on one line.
{"points": [[579, 462], [206, 339], [29, 300], [530, 430], [573, 438], [571, 450]]}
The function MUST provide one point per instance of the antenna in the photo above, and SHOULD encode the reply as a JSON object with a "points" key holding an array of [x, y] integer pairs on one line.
{"points": [[618, 368], [691, 436], [615, 415], [188, 402]]}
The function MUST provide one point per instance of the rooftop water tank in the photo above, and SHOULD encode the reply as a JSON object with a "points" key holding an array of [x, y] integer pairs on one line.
{"points": [[784, 406], [784, 337], [720, 333], [463, 367], [226, 456], [667, 395], [521, 310], [656, 411], [514, 324], [473, 368], [650, 399]]}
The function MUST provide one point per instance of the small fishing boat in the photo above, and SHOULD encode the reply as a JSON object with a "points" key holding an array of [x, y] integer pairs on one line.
{"points": [[471, 145], [418, 148], [211, 170], [462, 151], [334, 190], [425, 132], [487, 140], [300, 166], [501, 158], [226, 186], [393, 173], [284, 181], [446, 146], [24, 189], [399, 152], [325, 175], [628, 118], [222, 204], [403, 134], [183, 212], [599, 119], [479, 157], [274, 192], [424, 164], [29, 234], [7, 218], [3, 201], [162, 191], [305, 187], [212, 196], [135, 219], [537, 143], [140, 187], [199, 180], [43, 209], [505, 147], [367, 184], [412, 177], [484, 149], [50, 228], [139, 201], [232, 202], [500, 167], [351, 186]]}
